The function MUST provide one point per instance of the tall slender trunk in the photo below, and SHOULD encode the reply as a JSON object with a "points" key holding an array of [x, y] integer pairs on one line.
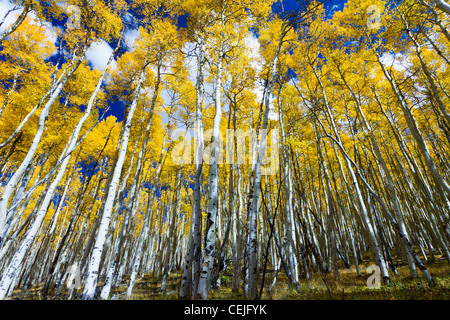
{"points": [[373, 242], [13, 27], [412, 125], [443, 6], [192, 257], [94, 264], [205, 277], [388, 177], [288, 202], [14, 180], [252, 291], [26, 243], [143, 235]]}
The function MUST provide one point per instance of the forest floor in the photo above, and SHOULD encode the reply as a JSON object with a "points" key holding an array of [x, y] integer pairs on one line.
{"points": [[321, 286]]}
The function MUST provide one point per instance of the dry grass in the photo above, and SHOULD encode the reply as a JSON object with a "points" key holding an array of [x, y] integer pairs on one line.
{"points": [[322, 286]]}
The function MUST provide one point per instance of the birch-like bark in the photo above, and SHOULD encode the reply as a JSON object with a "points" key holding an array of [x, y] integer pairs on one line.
{"points": [[205, 277], [388, 177], [12, 183], [5, 102], [24, 121], [436, 19], [133, 191], [373, 242], [189, 285], [145, 225], [443, 6], [172, 238], [10, 275], [237, 263], [412, 125], [94, 264], [426, 70], [13, 27], [288, 202], [252, 291], [383, 207]]}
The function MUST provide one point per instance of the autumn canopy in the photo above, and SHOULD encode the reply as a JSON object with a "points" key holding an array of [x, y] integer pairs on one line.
{"points": [[218, 140]]}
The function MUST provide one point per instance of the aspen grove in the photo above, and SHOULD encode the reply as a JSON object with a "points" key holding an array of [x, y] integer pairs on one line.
{"points": [[220, 143]]}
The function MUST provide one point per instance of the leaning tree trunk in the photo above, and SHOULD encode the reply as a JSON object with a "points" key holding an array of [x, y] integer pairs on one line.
{"points": [[373, 242], [12, 183], [40, 215], [13, 27], [252, 291], [145, 225], [388, 177], [94, 264]]}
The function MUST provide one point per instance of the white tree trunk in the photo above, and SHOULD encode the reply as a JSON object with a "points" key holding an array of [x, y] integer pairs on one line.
{"points": [[205, 277], [94, 263], [40, 215], [17, 22], [189, 285], [12, 183], [145, 225], [443, 6]]}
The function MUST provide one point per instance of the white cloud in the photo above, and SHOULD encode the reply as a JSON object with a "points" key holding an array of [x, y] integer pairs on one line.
{"points": [[98, 54], [253, 45], [6, 5], [396, 61], [130, 37], [50, 31], [191, 61]]}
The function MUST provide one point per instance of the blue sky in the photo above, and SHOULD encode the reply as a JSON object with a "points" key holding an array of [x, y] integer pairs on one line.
{"points": [[330, 5], [99, 52]]}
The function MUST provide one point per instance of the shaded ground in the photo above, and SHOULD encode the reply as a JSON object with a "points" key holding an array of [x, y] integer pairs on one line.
{"points": [[322, 286]]}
